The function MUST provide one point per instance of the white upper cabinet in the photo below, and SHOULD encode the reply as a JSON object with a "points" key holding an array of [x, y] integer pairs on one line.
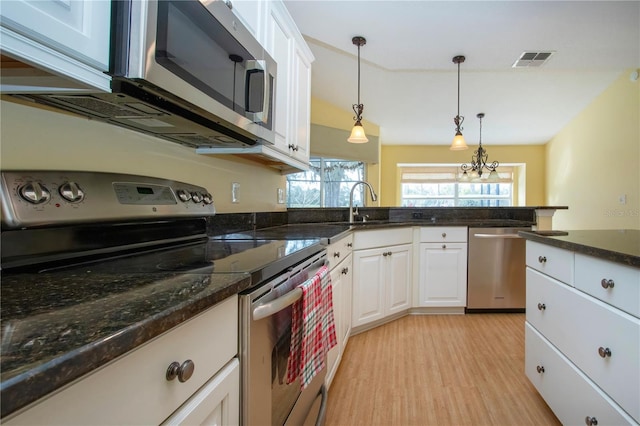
{"points": [[251, 13], [62, 37]]}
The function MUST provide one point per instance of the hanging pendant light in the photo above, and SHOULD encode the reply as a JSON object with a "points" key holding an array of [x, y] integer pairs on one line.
{"points": [[357, 133], [479, 162], [458, 143]]}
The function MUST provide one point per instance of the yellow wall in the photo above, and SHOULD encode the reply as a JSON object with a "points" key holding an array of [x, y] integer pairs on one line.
{"points": [[595, 160], [532, 155], [36, 139]]}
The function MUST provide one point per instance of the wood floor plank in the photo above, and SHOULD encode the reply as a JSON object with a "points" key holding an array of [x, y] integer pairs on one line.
{"points": [[437, 370]]}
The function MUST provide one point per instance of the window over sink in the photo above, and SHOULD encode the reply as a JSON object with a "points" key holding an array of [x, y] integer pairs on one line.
{"points": [[327, 183], [424, 185]]}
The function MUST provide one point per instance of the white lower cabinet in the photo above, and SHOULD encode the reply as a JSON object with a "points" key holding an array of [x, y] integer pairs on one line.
{"points": [[382, 283], [134, 388], [341, 269], [583, 352], [571, 395], [443, 267]]}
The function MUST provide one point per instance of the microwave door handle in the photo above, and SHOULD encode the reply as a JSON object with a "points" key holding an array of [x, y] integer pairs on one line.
{"points": [[261, 65], [264, 310]]}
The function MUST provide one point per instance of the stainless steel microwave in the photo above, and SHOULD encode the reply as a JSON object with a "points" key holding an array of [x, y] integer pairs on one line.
{"points": [[185, 70]]}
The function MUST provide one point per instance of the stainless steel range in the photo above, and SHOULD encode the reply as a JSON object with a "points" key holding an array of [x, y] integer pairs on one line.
{"points": [[66, 223]]}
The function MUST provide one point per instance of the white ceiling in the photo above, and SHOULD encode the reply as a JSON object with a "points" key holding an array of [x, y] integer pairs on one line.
{"points": [[409, 82]]}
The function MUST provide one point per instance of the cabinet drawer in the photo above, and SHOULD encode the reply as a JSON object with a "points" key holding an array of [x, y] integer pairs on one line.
{"points": [[621, 286], [382, 238], [569, 393], [133, 389], [438, 234], [552, 261], [339, 251], [581, 327]]}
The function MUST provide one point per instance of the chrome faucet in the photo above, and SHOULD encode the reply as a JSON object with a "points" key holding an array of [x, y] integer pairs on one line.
{"points": [[374, 197]]}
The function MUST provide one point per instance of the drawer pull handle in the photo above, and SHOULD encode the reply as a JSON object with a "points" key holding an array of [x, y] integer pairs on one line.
{"points": [[182, 372], [540, 369], [349, 244], [607, 283], [542, 306], [336, 254], [591, 421], [444, 235], [345, 271], [604, 352], [542, 259]]}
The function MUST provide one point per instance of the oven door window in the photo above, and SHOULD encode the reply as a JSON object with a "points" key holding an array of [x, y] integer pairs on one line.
{"points": [[193, 45]]}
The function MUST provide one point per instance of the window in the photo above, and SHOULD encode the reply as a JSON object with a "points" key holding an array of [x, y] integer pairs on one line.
{"points": [[327, 184], [437, 186]]}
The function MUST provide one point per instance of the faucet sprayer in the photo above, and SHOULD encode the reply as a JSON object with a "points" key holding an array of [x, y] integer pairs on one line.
{"points": [[374, 197]]}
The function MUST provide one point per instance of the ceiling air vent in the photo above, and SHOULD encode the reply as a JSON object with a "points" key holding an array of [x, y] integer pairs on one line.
{"points": [[532, 59]]}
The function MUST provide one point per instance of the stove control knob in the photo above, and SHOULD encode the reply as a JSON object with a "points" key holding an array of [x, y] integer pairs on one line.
{"points": [[207, 198], [34, 193], [71, 192], [183, 195], [196, 197]]}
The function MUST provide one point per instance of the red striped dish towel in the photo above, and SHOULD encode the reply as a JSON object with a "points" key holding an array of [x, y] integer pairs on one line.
{"points": [[313, 331]]}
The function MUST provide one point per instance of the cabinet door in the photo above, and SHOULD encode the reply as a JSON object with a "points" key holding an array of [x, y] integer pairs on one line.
{"points": [[334, 355], [79, 29], [368, 285], [443, 274], [346, 271], [250, 13], [398, 279], [216, 403], [279, 44], [302, 104]]}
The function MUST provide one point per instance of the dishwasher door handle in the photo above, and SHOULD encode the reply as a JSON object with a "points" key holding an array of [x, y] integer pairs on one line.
{"points": [[264, 310], [497, 236]]}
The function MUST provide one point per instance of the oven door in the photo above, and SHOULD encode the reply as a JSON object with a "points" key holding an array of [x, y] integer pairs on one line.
{"points": [[200, 53], [265, 321]]}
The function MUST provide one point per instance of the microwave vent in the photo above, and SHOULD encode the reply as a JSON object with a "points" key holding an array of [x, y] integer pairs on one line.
{"points": [[92, 105], [198, 141]]}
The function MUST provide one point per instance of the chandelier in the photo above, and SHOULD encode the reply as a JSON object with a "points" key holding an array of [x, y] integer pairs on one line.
{"points": [[357, 133], [479, 162]]}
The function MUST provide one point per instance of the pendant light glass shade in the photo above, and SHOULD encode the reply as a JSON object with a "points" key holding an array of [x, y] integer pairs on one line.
{"points": [[458, 143], [357, 134]]}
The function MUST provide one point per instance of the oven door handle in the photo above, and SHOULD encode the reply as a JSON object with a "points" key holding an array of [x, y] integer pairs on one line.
{"points": [[264, 310]]}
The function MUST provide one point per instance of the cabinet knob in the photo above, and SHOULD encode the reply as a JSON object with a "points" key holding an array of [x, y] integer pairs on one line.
{"points": [[591, 421], [389, 253], [293, 147], [345, 271], [444, 235], [444, 246], [349, 244], [542, 306], [540, 369], [336, 254], [604, 352], [607, 283], [385, 254], [182, 372], [542, 259]]}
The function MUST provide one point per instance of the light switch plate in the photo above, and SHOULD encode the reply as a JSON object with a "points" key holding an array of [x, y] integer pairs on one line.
{"points": [[280, 196], [235, 189]]}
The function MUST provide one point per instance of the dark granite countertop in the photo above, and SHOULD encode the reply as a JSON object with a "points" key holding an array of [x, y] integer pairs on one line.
{"points": [[620, 246], [67, 325]]}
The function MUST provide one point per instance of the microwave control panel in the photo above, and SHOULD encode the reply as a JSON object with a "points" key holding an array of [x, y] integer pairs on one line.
{"points": [[47, 198]]}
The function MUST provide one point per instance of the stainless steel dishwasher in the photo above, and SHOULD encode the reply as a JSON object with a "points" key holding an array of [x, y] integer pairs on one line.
{"points": [[496, 270]]}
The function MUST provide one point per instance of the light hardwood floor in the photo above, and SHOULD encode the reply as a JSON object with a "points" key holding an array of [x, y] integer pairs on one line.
{"points": [[437, 370]]}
